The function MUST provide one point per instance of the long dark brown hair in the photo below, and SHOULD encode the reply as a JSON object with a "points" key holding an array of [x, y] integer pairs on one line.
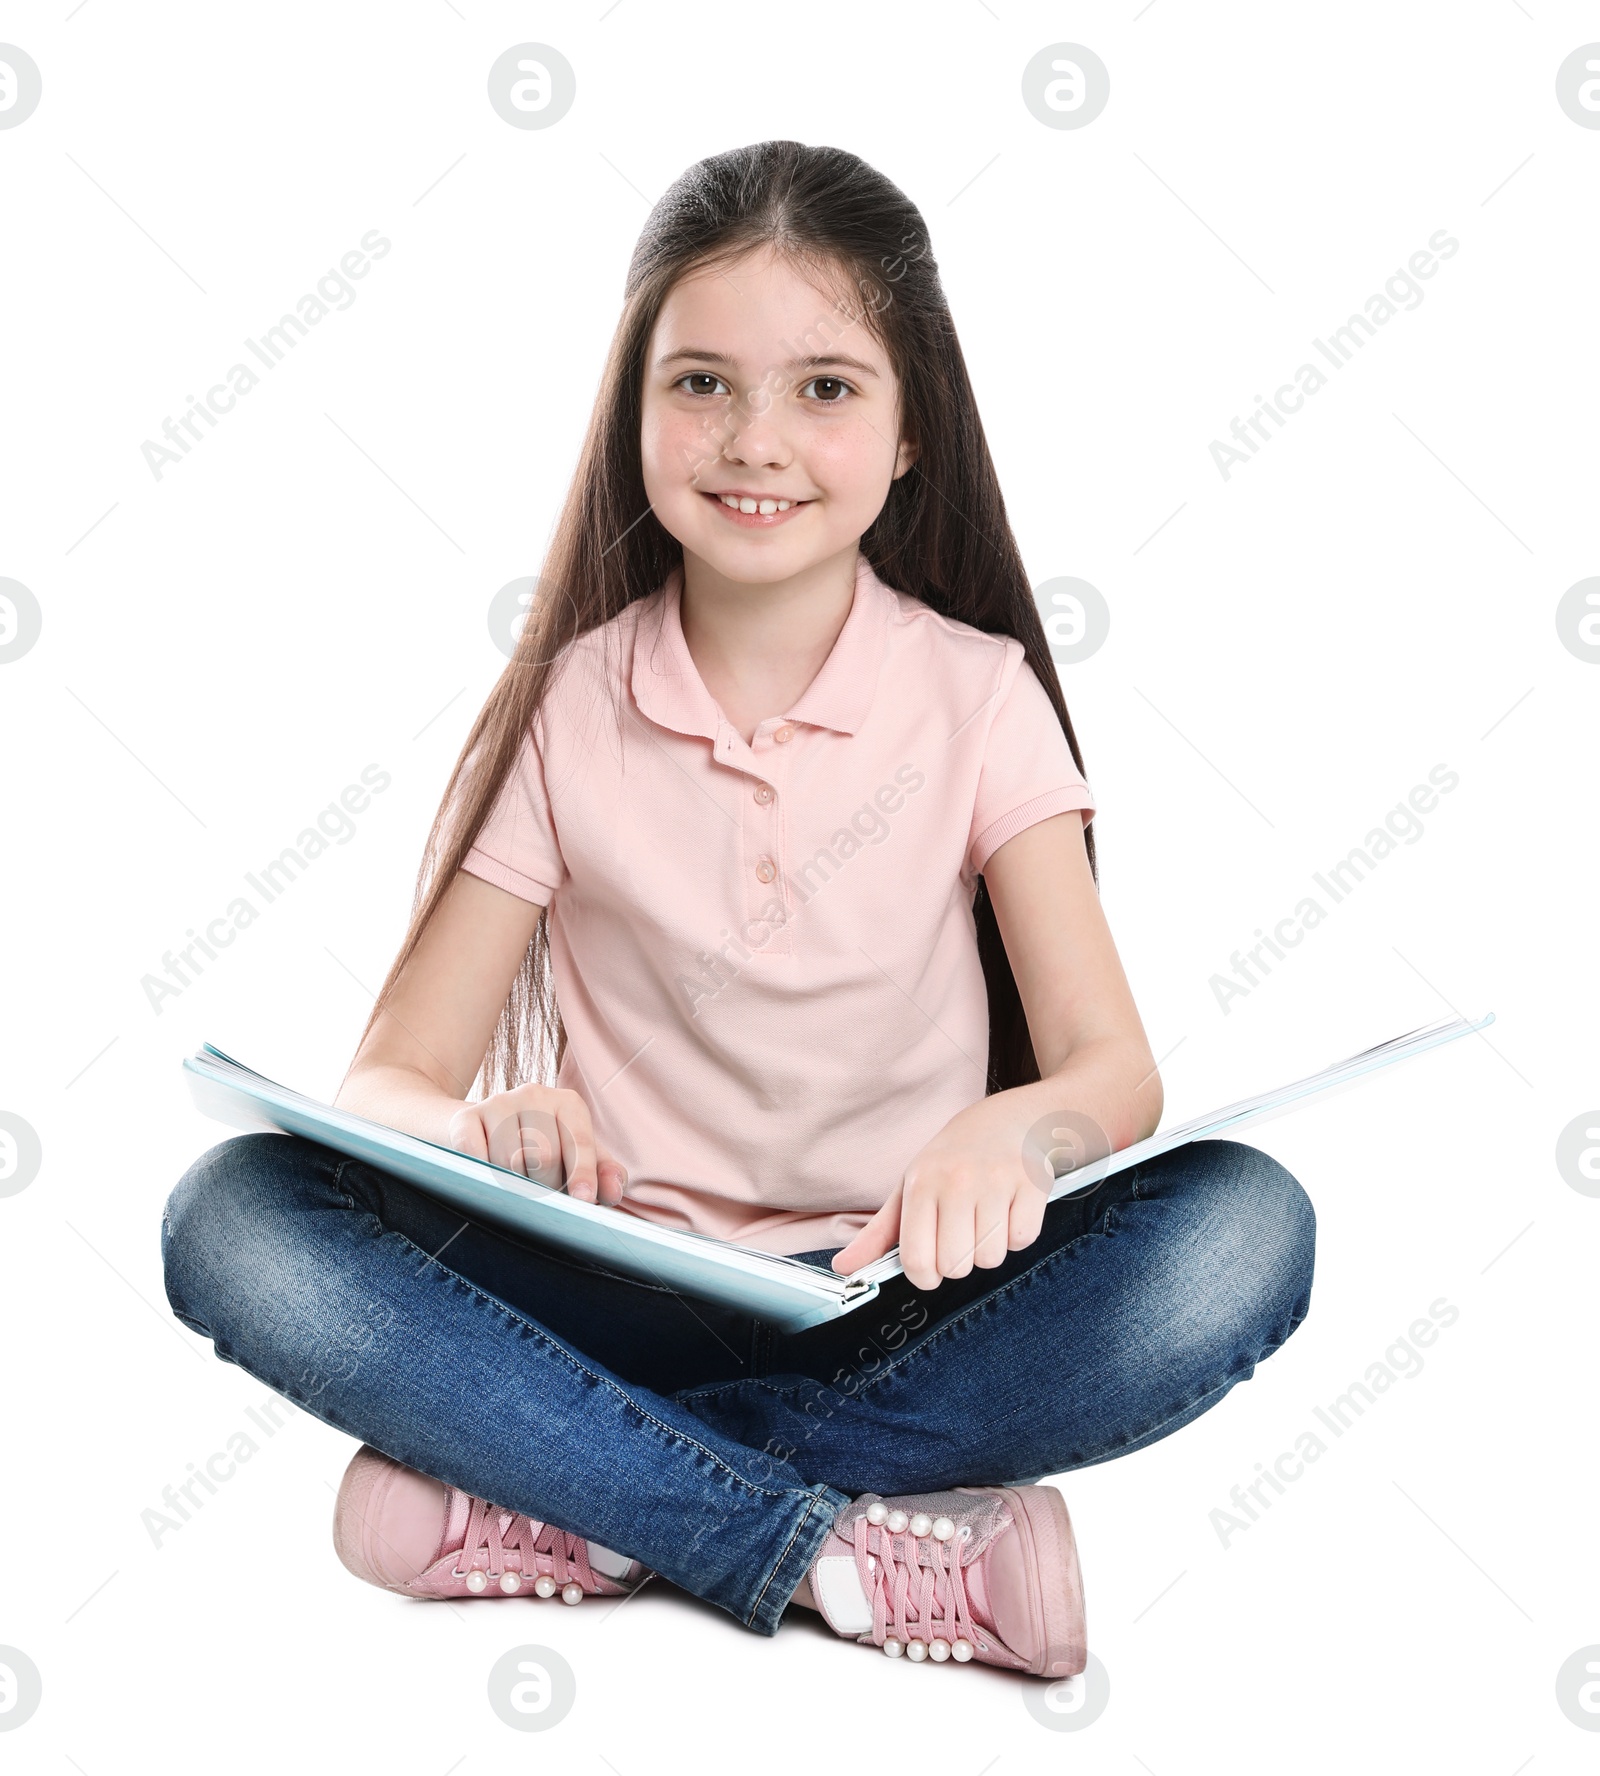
{"points": [[942, 534]]}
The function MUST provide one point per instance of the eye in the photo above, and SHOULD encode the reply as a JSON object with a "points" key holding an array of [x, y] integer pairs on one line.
{"points": [[701, 376], [835, 383]]}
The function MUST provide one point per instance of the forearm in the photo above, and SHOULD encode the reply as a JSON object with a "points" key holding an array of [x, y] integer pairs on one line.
{"points": [[415, 1067], [401, 1098], [1113, 1083]]}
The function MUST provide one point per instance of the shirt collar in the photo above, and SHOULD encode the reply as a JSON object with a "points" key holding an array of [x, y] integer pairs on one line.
{"points": [[669, 690]]}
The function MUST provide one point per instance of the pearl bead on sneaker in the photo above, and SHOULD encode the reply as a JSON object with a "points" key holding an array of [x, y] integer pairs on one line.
{"points": [[979, 1572], [408, 1533]]}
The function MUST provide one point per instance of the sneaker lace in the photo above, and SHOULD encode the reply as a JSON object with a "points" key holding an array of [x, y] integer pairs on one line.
{"points": [[919, 1579], [538, 1547]]}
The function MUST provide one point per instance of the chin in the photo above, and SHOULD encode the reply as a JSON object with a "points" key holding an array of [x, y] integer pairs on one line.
{"points": [[755, 567], [761, 559]]}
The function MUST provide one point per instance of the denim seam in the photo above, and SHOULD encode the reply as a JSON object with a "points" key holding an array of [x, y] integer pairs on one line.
{"points": [[533, 1328], [905, 1356], [339, 1188], [810, 1512]]}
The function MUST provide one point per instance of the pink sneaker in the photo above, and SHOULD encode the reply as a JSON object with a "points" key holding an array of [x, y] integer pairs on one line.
{"points": [[979, 1572], [408, 1533]]}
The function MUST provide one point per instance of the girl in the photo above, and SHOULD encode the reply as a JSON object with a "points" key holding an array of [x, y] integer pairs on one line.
{"points": [[774, 837]]}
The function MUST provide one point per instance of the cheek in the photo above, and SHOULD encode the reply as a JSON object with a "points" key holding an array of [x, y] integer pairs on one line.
{"points": [[853, 460], [674, 445]]}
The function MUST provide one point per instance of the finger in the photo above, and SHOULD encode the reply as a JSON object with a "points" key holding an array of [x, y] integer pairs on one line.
{"points": [[468, 1135], [955, 1241], [993, 1230], [1026, 1218], [538, 1138], [873, 1240], [577, 1148], [919, 1229], [613, 1179], [506, 1140]]}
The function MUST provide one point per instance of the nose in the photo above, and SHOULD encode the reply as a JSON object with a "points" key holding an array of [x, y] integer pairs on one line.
{"points": [[755, 438]]}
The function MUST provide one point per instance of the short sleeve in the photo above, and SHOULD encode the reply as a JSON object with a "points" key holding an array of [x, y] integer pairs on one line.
{"points": [[517, 847], [1028, 770]]}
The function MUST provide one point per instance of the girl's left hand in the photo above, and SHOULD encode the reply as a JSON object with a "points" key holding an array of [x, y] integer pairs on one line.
{"points": [[966, 1199]]}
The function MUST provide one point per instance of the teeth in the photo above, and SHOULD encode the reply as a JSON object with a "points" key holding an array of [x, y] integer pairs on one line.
{"points": [[766, 507]]}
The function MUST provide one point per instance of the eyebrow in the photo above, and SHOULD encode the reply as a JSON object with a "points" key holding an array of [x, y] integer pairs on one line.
{"points": [[700, 355]]}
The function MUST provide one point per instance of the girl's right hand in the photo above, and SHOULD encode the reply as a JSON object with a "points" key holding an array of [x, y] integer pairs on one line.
{"points": [[532, 1127]]}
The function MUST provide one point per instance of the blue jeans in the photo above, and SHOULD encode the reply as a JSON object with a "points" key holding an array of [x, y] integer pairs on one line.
{"points": [[709, 1445]]}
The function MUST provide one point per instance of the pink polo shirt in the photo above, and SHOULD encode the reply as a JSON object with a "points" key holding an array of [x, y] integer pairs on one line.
{"points": [[765, 954]]}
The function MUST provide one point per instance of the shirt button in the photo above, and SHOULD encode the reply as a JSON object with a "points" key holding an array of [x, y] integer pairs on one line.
{"points": [[766, 869], [764, 793], [782, 734]]}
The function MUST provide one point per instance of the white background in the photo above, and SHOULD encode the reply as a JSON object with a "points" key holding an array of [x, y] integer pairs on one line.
{"points": [[224, 649]]}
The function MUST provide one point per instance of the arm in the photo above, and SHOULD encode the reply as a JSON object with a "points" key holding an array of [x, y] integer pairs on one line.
{"points": [[1087, 1035], [967, 1198], [419, 1060]]}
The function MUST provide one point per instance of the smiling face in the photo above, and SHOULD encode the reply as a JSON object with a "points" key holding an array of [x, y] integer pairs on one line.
{"points": [[770, 426]]}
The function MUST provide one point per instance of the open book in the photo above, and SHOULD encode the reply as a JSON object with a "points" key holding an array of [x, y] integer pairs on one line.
{"points": [[785, 1292]]}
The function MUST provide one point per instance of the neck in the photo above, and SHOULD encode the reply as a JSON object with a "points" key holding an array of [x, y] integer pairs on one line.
{"points": [[763, 643]]}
